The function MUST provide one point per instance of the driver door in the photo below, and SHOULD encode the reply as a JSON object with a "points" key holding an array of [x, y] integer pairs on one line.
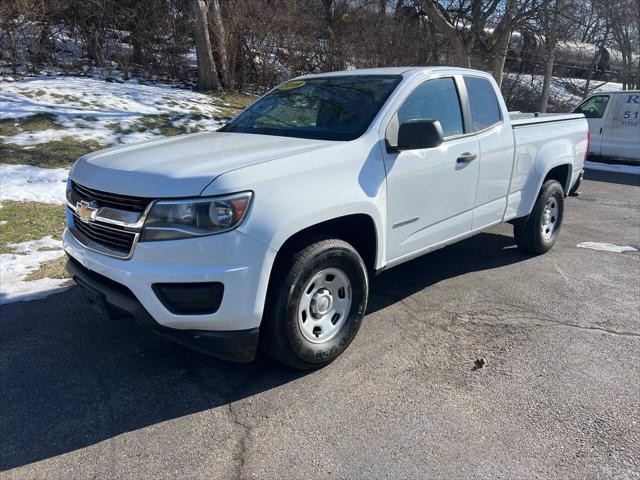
{"points": [[594, 109], [431, 192]]}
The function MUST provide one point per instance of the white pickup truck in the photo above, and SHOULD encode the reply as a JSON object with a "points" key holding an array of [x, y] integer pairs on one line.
{"points": [[267, 231]]}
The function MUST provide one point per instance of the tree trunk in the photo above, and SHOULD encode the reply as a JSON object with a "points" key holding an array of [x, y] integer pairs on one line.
{"points": [[462, 49], [207, 73], [463, 55], [546, 84], [335, 59], [551, 22], [500, 56], [220, 40], [590, 71], [501, 39], [594, 62]]}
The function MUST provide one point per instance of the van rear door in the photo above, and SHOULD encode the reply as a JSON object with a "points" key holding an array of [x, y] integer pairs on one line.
{"points": [[595, 109]]}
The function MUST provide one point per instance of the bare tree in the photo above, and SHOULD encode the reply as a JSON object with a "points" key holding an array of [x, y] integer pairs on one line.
{"points": [[207, 73], [625, 26], [219, 34], [461, 43], [550, 22]]}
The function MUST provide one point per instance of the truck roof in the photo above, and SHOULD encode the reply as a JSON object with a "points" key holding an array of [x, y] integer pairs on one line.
{"points": [[395, 71], [613, 92]]}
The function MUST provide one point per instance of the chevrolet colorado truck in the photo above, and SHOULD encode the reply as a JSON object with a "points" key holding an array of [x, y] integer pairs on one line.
{"points": [[268, 231]]}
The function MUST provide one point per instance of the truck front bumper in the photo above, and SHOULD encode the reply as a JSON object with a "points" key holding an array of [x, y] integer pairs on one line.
{"points": [[233, 260], [116, 300]]}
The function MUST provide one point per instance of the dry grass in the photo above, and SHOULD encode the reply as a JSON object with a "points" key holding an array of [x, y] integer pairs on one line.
{"points": [[50, 269], [58, 153], [29, 221]]}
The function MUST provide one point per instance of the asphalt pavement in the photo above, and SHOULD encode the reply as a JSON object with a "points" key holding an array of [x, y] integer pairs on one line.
{"points": [[558, 397]]}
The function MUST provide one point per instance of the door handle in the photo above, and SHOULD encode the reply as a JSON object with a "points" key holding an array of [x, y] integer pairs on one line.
{"points": [[466, 157]]}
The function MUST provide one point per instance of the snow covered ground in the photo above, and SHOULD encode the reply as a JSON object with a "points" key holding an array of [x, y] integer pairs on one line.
{"points": [[606, 247], [83, 109], [27, 259], [92, 109], [24, 183], [563, 91]]}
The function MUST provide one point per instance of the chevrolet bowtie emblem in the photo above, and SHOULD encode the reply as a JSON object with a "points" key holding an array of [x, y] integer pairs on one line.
{"points": [[86, 211]]}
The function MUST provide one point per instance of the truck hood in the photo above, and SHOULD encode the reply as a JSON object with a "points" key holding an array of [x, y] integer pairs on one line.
{"points": [[181, 166]]}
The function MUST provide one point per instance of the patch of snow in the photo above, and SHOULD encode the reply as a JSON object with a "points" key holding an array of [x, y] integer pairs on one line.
{"points": [[3, 222], [563, 90], [606, 167], [25, 183], [606, 247], [15, 267], [34, 245], [92, 109]]}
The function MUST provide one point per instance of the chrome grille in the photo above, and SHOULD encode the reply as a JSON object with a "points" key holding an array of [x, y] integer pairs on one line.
{"points": [[105, 222], [114, 237], [113, 200]]}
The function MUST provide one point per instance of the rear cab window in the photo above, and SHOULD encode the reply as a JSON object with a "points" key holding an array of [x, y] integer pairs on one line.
{"points": [[593, 107], [435, 99], [483, 102]]}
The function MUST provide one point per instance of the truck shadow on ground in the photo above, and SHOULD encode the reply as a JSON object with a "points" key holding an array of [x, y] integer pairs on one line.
{"points": [[481, 252], [70, 379], [612, 177]]}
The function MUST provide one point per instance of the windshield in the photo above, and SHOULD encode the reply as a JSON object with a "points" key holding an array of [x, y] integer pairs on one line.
{"points": [[326, 108]]}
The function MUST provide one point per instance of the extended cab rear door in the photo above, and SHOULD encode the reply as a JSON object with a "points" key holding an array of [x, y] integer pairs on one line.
{"points": [[430, 192], [487, 113]]}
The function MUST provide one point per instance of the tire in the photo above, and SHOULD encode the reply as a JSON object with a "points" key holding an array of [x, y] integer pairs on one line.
{"points": [[540, 230], [316, 304]]}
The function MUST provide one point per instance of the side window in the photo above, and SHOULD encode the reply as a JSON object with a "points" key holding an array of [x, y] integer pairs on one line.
{"points": [[434, 100], [485, 109], [594, 107]]}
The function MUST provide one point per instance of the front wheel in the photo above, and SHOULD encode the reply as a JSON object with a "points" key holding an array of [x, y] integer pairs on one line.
{"points": [[316, 304], [540, 231]]}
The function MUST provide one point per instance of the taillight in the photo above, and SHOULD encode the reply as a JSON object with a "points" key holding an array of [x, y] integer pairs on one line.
{"points": [[586, 153]]}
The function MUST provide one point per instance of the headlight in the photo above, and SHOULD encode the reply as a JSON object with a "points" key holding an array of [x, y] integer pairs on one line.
{"points": [[175, 219]]}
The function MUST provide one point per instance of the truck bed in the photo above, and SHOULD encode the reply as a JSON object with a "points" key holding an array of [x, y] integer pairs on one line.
{"points": [[519, 119]]}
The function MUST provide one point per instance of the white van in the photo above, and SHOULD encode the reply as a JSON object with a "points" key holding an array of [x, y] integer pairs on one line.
{"points": [[614, 123]]}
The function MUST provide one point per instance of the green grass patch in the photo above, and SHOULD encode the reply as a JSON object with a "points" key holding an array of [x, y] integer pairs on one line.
{"points": [[164, 123], [228, 104], [58, 153], [8, 127], [51, 269], [39, 122], [29, 221], [235, 100], [34, 123]]}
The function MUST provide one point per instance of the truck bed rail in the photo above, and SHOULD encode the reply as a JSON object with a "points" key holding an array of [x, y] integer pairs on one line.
{"points": [[519, 119]]}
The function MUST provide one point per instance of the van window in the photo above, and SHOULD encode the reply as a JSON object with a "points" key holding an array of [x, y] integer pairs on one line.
{"points": [[434, 100], [485, 109], [593, 107]]}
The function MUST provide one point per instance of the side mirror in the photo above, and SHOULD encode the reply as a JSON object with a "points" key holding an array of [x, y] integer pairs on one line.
{"points": [[418, 134]]}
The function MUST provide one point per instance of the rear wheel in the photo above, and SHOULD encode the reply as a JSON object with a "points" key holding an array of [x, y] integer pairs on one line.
{"points": [[316, 304], [540, 230]]}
